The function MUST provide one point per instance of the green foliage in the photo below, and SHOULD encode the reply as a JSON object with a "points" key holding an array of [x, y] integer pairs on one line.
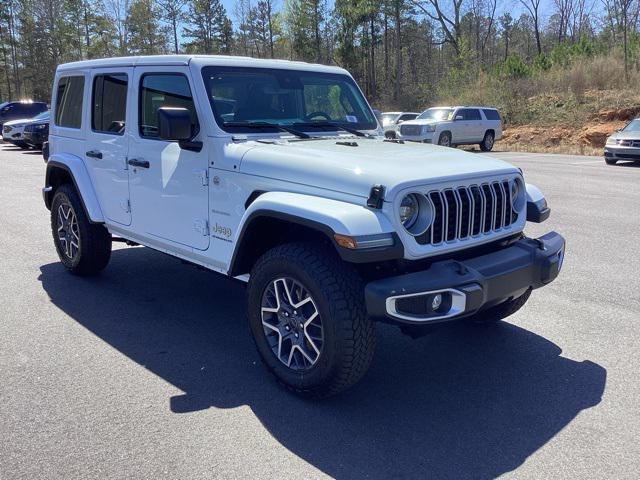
{"points": [[513, 68]]}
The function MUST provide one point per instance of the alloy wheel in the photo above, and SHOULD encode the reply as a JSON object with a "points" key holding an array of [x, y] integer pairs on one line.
{"points": [[292, 324], [68, 231]]}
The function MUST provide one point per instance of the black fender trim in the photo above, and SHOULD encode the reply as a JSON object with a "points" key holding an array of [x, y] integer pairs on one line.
{"points": [[370, 255]]}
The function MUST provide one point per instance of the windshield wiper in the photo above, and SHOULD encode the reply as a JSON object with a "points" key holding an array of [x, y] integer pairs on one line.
{"points": [[338, 126], [277, 126]]}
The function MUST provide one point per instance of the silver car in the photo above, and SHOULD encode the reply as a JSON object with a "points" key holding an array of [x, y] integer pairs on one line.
{"points": [[623, 144]]}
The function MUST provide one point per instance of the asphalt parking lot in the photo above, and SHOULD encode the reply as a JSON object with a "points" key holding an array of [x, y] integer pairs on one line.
{"points": [[148, 371]]}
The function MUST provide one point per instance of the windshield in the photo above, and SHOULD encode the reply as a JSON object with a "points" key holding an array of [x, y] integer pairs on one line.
{"points": [[388, 119], [42, 116], [633, 126], [436, 114], [285, 97]]}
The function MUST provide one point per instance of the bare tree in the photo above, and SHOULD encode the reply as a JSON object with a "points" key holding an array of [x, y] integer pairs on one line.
{"points": [[173, 14], [449, 22], [533, 7]]}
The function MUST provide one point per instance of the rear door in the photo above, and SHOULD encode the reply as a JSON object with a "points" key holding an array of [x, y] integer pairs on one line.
{"points": [[169, 192], [108, 141], [476, 126]]}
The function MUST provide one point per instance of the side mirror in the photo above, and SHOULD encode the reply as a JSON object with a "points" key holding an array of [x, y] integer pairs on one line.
{"points": [[174, 124], [400, 121]]}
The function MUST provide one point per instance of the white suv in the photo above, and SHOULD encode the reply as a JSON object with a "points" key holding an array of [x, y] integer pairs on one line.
{"points": [[274, 172], [451, 126]]}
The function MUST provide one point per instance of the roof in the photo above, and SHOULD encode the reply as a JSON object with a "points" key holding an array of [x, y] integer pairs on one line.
{"points": [[200, 60], [399, 113], [464, 106]]}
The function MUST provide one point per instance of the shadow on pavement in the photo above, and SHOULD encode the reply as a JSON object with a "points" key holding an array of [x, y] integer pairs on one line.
{"points": [[464, 402]]}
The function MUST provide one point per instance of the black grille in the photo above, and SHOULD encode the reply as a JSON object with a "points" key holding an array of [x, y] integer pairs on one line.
{"points": [[410, 130]]}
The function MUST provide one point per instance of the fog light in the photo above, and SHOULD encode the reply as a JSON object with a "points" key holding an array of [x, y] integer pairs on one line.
{"points": [[436, 302]]}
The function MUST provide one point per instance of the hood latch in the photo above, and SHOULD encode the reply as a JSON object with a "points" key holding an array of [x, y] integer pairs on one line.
{"points": [[376, 197]]}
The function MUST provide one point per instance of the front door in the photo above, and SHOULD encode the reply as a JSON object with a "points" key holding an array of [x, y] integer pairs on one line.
{"points": [[169, 192], [107, 145]]}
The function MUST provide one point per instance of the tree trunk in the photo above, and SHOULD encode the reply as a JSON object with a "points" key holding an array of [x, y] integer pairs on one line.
{"points": [[398, 89]]}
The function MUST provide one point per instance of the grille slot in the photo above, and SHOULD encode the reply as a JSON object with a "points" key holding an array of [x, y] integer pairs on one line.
{"points": [[469, 211]]}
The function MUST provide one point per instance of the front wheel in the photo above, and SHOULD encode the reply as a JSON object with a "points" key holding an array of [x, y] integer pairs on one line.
{"points": [[84, 248], [487, 142], [444, 139], [610, 161], [307, 317]]}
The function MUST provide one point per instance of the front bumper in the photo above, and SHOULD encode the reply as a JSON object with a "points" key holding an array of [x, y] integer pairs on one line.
{"points": [[35, 139], [622, 153], [467, 286]]}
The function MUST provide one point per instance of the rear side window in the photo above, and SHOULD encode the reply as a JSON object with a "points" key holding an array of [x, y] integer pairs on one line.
{"points": [[491, 114], [69, 102], [469, 114], [109, 104], [164, 90]]}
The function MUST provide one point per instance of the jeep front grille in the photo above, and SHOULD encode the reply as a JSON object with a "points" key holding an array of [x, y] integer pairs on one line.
{"points": [[469, 212], [411, 130]]}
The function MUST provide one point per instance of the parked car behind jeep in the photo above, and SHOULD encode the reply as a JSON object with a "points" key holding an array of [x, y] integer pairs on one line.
{"points": [[452, 126], [624, 144], [273, 173], [23, 109], [392, 120]]}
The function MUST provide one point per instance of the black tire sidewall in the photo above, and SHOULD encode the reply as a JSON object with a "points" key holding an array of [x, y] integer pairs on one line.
{"points": [[65, 195], [329, 360], [484, 146]]}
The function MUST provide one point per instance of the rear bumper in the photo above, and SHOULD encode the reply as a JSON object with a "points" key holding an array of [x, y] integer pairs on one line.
{"points": [[467, 286]]}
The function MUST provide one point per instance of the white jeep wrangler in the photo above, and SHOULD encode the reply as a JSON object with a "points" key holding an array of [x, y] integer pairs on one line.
{"points": [[275, 173], [451, 126]]}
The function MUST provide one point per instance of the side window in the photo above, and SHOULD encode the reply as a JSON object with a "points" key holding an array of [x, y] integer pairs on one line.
{"points": [[408, 116], [491, 114], [69, 102], [163, 90], [109, 103], [472, 114]]}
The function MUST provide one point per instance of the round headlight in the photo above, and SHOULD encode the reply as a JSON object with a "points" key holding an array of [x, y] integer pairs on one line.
{"points": [[517, 195], [409, 209], [416, 213]]}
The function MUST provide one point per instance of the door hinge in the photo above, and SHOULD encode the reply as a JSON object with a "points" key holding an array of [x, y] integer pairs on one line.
{"points": [[126, 205], [203, 175], [201, 226]]}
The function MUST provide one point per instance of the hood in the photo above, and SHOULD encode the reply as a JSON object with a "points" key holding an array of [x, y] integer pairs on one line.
{"points": [[422, 121], [626, 135], [355, 169], [17, 123]]}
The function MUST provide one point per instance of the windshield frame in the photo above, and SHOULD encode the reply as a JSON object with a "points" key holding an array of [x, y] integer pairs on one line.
{"points": [[306, 126]]}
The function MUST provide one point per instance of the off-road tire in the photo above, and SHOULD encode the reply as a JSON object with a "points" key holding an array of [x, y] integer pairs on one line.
{"points": [[338, 292], [610, 161], [488, 141], [445, 140], [94, 250], [501, 311]]}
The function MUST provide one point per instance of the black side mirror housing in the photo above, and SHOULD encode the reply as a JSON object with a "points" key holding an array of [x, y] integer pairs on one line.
{"points": [[174, 124]]}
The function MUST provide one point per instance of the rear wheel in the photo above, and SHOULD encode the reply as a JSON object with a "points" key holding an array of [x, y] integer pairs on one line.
{"points": [[84, 248], [487, 142], [307, 316], [501, 311]]}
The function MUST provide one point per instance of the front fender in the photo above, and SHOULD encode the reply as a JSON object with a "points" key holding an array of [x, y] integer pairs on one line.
{"points": [[340, 217], [374, 235], [76, 169]]}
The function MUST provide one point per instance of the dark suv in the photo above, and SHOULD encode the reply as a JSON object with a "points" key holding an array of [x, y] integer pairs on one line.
{"points": [[18, 110]]}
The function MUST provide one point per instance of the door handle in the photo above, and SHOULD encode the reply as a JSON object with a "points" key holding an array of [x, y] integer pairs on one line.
{"points": [[94, 154], [136, 162]]}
